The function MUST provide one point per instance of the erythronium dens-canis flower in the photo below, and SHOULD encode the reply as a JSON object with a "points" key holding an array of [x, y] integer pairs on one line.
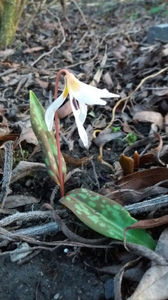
{"points": [[80, 95]]}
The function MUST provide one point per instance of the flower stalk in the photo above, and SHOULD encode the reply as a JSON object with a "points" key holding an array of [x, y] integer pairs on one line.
{"points": [[61, 177]]}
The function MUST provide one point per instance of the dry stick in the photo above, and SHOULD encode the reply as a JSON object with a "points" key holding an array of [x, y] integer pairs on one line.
{"points": [[148, 205], [54, 48], [48, 228], [132, 93], [7, 173], [26, 217], [80, 11], [123, 100]]}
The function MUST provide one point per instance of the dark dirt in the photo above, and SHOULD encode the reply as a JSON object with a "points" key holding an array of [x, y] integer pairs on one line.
{"points": [[52, 275], [49, 276]]}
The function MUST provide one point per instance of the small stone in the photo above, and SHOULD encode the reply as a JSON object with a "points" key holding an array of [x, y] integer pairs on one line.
{"points": [[56, 296], [157, 33]]}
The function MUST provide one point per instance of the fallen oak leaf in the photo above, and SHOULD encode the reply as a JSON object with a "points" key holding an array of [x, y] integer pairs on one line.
{"points": [[7, 52], [28, 135], [151, 223], [24, 168], [153, 285], [77, 162], [106, 136], [143, 179], [32, 50], [149, 116], [127, 164], [19, 200], [10, 136]]}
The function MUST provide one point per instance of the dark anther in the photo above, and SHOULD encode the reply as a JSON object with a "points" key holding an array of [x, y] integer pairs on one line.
{"points": [[75, 103]]}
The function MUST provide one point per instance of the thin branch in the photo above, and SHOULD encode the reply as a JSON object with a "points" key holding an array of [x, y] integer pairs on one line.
{"points": [[7, 173]]}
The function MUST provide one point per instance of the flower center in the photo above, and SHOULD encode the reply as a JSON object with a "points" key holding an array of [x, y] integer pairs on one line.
{"points": [[72, 82]]}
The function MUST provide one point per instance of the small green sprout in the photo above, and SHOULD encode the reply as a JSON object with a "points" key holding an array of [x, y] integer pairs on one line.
{"points": [[131, 138]]}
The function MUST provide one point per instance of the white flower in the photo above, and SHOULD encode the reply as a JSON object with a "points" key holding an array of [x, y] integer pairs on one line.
{"points": [[80, 95]]}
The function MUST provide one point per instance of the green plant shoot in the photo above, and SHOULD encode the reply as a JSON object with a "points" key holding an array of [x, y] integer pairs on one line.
{"points": [[46, 139], [131, 138], [105, 216]]}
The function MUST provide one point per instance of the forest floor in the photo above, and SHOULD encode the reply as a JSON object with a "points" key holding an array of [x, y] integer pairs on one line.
{"points": [[107, 45]]}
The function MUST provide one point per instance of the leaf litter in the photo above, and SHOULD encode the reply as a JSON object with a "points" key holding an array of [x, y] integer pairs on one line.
{"points": [[109, 52]]}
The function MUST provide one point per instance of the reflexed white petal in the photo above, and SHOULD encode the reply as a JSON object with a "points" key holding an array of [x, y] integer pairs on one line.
{"points": [[50, 112], [83, 112], [91, 95], [106, 94], [79, 119]]}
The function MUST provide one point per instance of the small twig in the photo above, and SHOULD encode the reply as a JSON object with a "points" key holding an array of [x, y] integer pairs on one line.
{"points": [[39, 229], [132, 93], [7, 173], [95, 175], [53, 194], [148, 205], [54, 48], [26, 217], [80, 11]]}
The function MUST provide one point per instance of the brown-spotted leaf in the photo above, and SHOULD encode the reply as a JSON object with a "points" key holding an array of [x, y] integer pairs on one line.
{"points": [[105, 216], [46, 139]]}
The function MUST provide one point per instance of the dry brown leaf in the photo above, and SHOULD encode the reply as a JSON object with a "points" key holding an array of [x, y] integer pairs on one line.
{"points": [[32, 50], [28, 135], [68, 56], [156, 150], [19, 200], [6, 53], [149, 116], [11, 136], [151, 223], [143, 179], [76, 162], [24, 168], [127, 164], [160, 92], [153, 285], [106, 136], [108, 80], [43, 84]]}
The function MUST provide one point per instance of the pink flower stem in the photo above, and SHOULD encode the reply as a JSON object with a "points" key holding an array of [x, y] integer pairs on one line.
{"points": [[61, 177]]}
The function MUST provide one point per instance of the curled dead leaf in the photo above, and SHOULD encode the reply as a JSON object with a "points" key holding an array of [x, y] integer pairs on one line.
{"points": [[76, 162], [127, 164], [151, 223], [24, 168], [106, 136], [153, 285], [143, 179], [19, 200], [28, 135], [149, 116]]}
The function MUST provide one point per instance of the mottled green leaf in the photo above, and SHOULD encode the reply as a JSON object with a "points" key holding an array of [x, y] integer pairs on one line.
{"points": [[105, 216], [46, 138]]}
